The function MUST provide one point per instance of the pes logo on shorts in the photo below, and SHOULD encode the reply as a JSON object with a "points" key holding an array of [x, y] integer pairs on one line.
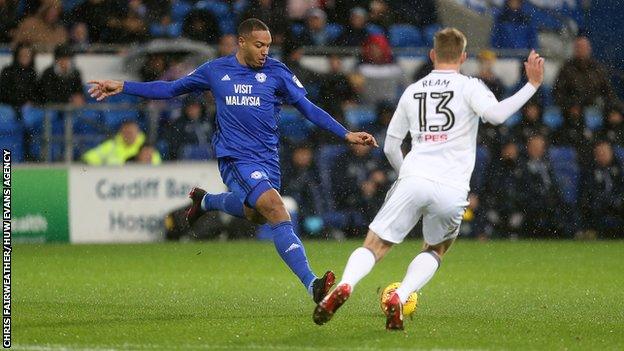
{"points": [[256, 175]]}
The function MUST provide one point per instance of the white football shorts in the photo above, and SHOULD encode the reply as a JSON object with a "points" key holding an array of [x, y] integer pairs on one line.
{"points": [[410, 198]]}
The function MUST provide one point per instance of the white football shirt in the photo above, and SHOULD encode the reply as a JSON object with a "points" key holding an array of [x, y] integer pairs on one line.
{"points": [[441, 111]]}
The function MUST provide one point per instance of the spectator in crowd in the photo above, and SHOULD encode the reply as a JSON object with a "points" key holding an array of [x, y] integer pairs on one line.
{"points": [[120, 148], [192, 128], [292, 52], [582, 82], [271, 13], [8, 19], [341, 11], [130, 25], [531, 123], [383, 76], [42, 30], [315, 32], [228, 44], [384, 111], [540, 195], [502, 200], [94, 14], [514, 28], [147, 155], [575, 133], [355, 32], [613, 130], [380, 14], [487, 59], [201, 25], [359, 183], [419, 13], [337, 91], [62, 82], [79, 37], [303, 184], [297, 10], [18, 81], [602, 193], [154, 67]]}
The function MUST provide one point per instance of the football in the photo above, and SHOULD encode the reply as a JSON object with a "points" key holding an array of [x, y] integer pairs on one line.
{"points": [[410, 305]]}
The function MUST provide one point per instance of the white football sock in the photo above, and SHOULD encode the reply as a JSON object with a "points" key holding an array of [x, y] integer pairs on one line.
{"points": [[360, 263], [422, 268]]}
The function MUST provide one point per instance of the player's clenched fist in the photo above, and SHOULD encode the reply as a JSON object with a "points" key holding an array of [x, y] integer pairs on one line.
{"points": [[534, 67], [361, 138], [102, 89]]}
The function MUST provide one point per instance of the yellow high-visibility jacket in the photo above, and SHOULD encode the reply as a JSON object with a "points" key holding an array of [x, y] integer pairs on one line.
{"points": [[115, 152]]}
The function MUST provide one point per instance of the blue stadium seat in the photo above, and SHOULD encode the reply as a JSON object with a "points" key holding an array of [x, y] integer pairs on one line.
{"points": [[179, 10], [294, 126], [218, 8], [482, 162], [405, 35], [373, 29], [15, 143], [172, 30], [360, 116], [514, 119], [334, 30], [619, 154], [197, 152], [593, 118], [88, 122], [513, 36], [297, 29], [114, 118], [552, 117], [8, 120], [566, 170], [325, 160], [429, 32]]}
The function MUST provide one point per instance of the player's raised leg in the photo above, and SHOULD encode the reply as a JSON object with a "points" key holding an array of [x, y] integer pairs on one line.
{"points": [[290, 248]]}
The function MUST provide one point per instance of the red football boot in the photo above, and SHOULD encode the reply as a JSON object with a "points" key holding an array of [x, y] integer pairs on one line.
{"points": [[325, 310]]}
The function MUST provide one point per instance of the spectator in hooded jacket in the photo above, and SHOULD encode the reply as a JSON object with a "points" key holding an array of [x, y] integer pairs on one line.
{"points": [[18, 81], [62, 82], [43, 30]]}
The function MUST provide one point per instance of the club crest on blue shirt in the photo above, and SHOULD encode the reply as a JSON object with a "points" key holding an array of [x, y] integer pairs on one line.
{"points": [[256, 174], [261, 77], [296, 80]]}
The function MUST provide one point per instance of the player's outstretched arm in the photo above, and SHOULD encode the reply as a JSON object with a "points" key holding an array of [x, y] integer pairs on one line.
{"points": [[323, 120], [534, 68]]}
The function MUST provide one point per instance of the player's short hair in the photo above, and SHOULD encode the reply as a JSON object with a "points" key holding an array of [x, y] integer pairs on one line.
{"points": [[449, 44], [249, 25]]}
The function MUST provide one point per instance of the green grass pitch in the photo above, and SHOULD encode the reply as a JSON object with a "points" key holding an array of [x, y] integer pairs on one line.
{"points": [[523, 295]]}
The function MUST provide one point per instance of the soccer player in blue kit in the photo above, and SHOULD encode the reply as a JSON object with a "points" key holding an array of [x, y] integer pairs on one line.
{"points": [[248, 88]]}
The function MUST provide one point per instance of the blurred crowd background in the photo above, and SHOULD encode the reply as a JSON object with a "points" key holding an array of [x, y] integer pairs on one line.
{"points": [[553, 170]]}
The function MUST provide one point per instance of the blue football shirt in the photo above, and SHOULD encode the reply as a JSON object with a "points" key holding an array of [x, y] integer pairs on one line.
{"points": [[247, 102]]}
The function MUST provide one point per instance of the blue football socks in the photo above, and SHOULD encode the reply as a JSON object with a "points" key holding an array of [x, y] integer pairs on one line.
{"points": [[292, 252], [224, 202]]}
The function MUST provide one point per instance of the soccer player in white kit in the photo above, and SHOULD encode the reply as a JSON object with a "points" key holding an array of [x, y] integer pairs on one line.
{"points": [[441, 111]]}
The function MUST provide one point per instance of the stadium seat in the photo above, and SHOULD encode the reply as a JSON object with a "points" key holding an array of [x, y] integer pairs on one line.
{"points": [[593, 118], [373, 29], [429, 32], [513, 36], [197, 152], [114, 118], [179, 10], [294, 126], [15, 143], [482, 163], [405, 35], [619, 154], [360, 116], [88, 122], [218, 8], [8, 120], [552, 117], [297, 29], [566, 170], [172, 30], [514, 119], [334, 30]]}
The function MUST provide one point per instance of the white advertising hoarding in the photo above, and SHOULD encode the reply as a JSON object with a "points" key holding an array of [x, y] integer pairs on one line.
{"points": [[128, 203]]}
